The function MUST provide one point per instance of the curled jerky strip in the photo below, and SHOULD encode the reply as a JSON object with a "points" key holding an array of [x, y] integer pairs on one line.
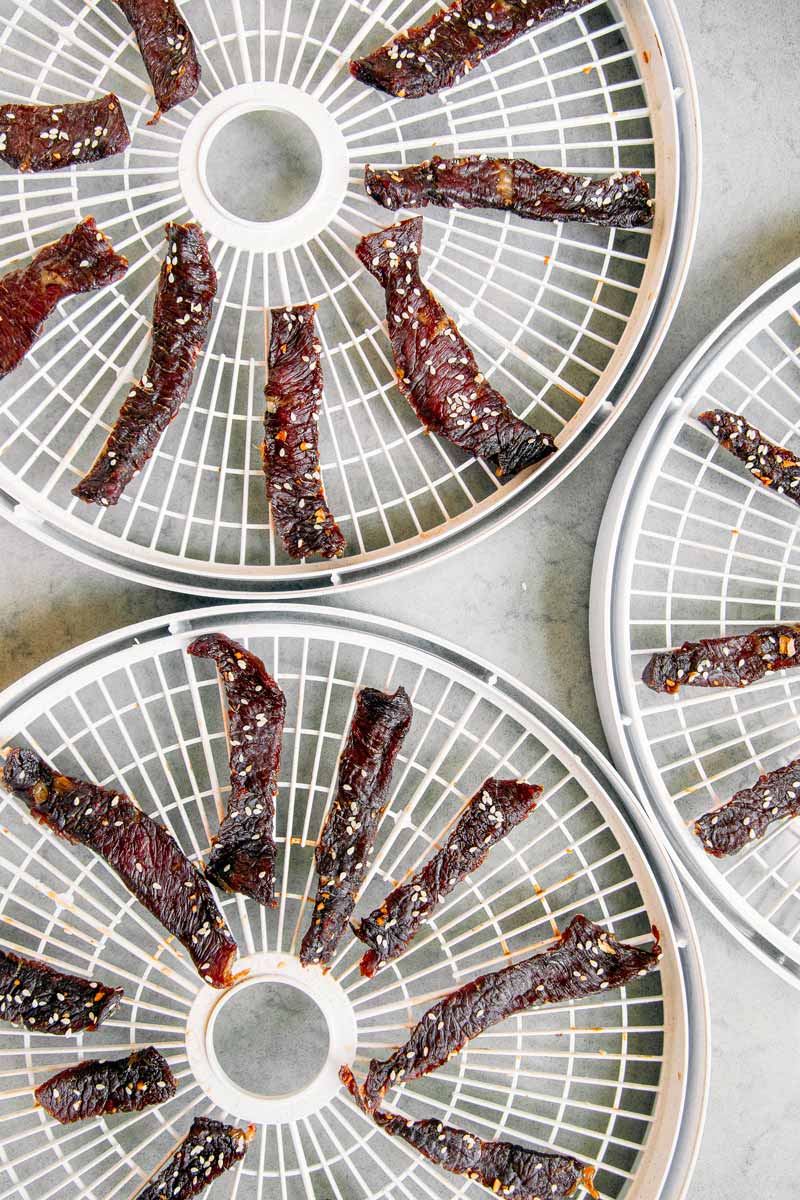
{"points": [[80, 261], [734, 661], [436, 55], [495, 809], [773, 466], [506, 1168], [209, 1149], [586, 959], [45, 137], [515, 185], [377, 731], [187, 286], [167, 49], [143, 853], [748, 814], [436, 370], [44, 1000], [242, 855], [100, 1087], [290, 457]]}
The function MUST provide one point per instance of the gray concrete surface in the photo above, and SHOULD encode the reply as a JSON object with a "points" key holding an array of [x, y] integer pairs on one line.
{"points": [[746, 55]]}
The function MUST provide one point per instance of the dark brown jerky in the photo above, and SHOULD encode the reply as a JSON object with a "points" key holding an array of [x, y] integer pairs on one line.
{"points": [[45, 137], [48, 1001], [80, 261], [167, 49], [748, 814], [242, 855], [209, 1149], [514, 185], [99, 1087], [495, 809], [436, 370], [436, 55], [503, 1167], [143, 853], [379, 726], [734, 661], [772, 465], [586, 959], [187, 286], [291, 437]]}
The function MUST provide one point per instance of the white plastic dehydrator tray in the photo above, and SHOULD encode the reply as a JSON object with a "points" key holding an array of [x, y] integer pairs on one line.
{"points": [[619, 1079], [692, 547], [269, 156]]}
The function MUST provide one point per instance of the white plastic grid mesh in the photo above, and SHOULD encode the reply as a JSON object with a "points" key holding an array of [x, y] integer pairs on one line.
{"points": [[606, 1078], [706, 550], [555, 312]]}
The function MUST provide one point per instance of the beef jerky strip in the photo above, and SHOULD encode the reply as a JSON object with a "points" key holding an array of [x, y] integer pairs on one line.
{"points": [[436, 370], [514, 185], [586, 959], [504, 1167], [184, 299], [495, 809], [749, 813], [80, 261], [143, 853], [734, 661], [48, 1001], [44, 137], [167, 49], [98, 1087], [430, 57], [379, 725], [291, 442], [772, 465], [242, 855], [209, 1149]]}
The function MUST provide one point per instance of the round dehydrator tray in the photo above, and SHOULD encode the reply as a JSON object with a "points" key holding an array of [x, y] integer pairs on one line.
{"points": [[619, 1078], [690, 547], [565, 319]]}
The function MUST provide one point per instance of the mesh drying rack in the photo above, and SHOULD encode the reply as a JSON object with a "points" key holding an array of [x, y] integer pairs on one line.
{"points": [[565, 319], [620, 1078], [690, 547]]}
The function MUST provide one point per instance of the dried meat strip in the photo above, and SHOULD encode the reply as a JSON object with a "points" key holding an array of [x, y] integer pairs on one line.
{"points": [[209, 1149], [436, 370], [748, 814], [291, 443], [734, 661], [242, 855], [48, 1001], [772, 465], [80, 261], [505, 1168], [45, 137], [495, 809], [100, 1087], [167, 49], [430, 57], [515, 185], [586, 959], [143, 853], [379, 726], [187, 286]]}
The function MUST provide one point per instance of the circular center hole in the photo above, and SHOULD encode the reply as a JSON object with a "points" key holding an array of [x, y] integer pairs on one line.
{"points": [[264, 165], [271, 1039]]}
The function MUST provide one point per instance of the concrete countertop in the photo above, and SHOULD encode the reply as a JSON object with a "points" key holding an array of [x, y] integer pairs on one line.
{"points": [[523, 596]]}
